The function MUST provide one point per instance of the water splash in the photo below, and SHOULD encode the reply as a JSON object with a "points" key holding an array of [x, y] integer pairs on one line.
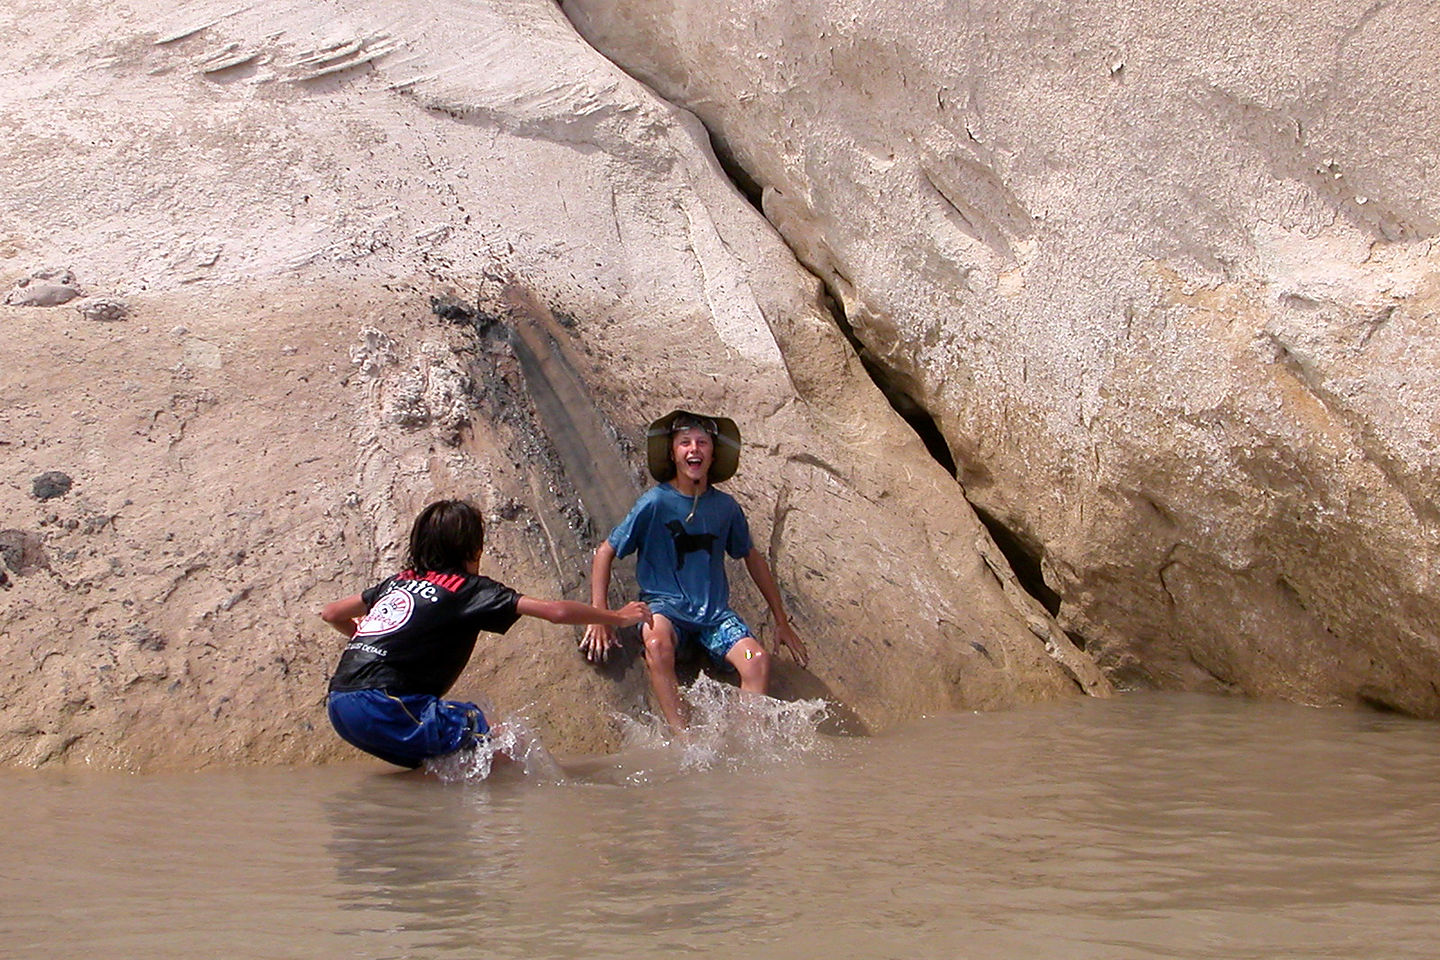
{"points": [[511, 744], [731, 728], [728, 728]]}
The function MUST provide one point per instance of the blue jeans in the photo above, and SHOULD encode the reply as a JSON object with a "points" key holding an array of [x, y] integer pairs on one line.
{"points": [[405, 729]]}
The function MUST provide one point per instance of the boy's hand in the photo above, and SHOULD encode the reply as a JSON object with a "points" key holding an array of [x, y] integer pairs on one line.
{"points": [[597, 642], [600, 638], [636, 611], [786, 637]]}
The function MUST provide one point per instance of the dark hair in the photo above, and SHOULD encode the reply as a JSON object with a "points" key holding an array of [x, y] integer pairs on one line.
{"points": [[446, 536]]}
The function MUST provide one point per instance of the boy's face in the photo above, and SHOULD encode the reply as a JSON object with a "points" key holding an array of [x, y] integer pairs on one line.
{"points": [[693, 450]]}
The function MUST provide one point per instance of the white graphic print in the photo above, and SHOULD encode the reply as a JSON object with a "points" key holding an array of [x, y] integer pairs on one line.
{"points": [[390, 614]]}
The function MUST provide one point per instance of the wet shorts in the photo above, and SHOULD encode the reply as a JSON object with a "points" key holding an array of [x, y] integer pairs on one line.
{"points": [[405, 729], [716, 640]]}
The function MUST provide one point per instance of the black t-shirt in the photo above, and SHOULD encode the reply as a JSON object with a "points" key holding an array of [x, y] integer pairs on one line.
{"points": [[420, 631]]}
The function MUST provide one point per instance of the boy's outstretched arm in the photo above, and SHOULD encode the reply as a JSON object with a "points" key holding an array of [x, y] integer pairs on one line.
{"points": [[784, 634], [600, 638], [568, 611], [341, 614]]}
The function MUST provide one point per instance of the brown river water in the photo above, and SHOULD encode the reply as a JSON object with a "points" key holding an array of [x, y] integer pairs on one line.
{"points": [[1150, 826]]}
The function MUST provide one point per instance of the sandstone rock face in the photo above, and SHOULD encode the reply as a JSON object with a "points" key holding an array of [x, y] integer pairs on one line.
{"points": [[1165, 277], [368, 257]]}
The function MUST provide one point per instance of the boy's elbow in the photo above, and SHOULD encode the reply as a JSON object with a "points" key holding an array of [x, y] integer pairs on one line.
{"points": [[550, 611], [337, 613]]}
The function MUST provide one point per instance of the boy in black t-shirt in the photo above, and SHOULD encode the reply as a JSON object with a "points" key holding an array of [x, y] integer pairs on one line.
{"points": [[412, 634]]}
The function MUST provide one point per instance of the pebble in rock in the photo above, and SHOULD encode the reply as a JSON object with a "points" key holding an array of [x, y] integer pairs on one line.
{"points": [[51, 484], [44, 288], [103, 309]]}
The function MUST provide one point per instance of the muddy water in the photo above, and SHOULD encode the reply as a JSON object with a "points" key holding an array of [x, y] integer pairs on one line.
{"points": [[1152, 826]]}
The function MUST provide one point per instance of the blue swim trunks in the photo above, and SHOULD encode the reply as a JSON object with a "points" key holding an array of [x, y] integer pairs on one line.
{"points": [[405, 729], [715, 640]]}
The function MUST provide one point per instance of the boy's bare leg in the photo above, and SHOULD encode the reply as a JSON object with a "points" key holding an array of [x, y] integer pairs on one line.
{"points": [[659, 639], [752, 663]]}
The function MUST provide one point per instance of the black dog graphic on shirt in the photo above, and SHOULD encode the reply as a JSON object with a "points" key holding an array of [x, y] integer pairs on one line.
{"points": [[687, 543]]}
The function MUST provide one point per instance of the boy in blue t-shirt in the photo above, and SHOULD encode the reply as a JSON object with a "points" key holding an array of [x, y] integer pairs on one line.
{"points": [[682, 529]]}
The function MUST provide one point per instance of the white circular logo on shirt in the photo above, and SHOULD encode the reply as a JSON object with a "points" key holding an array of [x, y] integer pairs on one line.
{"points": [[391, 613]]}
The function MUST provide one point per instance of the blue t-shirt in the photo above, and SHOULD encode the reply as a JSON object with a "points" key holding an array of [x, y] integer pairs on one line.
{"points": [[681, 566]]}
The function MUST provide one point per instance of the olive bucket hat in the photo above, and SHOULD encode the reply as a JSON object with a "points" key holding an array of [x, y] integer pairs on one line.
{"points": [[722, 429]]}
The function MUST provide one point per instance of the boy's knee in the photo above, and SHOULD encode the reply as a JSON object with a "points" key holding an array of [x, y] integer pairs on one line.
{"points": [[659, 644], [751, 661]]}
